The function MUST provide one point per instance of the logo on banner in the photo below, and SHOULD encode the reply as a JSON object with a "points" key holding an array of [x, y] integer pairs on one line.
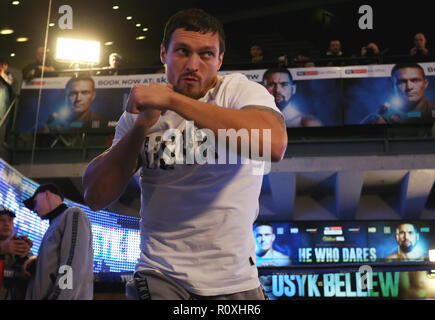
{"points": [[38, 83], [355, 71], [307, 73]]}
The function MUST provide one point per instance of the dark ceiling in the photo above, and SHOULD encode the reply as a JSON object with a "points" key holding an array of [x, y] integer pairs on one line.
{"points": [[292, 20]]}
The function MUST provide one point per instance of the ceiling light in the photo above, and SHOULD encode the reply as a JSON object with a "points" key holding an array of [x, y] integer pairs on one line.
{"points": [[129, 17], [6, 31], [140, 37], [51, 24], [115, 7], [145, 29], [12, 54], [108, 43], [80, 51], [138, 25], [22, 39], [15, 3]]}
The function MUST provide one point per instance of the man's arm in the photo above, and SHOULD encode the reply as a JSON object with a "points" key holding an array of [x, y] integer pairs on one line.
{"points": [[213, 117], [107, 175]]}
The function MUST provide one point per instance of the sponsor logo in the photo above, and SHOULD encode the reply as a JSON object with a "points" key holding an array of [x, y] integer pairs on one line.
{"points": [[352, 71]]}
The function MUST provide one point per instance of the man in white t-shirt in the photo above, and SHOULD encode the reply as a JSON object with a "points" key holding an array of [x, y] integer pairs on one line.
{"points": [[196, 217]]}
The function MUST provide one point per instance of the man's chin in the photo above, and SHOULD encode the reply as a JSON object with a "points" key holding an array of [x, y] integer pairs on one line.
{"points": [[407, 249], [281, 105], [189, 92]]}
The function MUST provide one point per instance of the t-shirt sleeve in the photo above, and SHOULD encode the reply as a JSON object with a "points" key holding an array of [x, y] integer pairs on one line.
{"points": [[125, 123], [245, 92]]}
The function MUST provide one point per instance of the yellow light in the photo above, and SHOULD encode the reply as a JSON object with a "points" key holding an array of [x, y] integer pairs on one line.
{"points": [[138, 25], [140, 37], [115, 7], [145, 29], [15, 3], [12, 54], [22, 39], [51, 24], [6, 31], [129, 17], [108, 43], [81, 51]]}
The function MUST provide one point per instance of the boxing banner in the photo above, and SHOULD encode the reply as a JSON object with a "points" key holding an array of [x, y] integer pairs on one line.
{"points": [[312, 243], [90, 103], [349, 285], [383, 94], [307, 97]]}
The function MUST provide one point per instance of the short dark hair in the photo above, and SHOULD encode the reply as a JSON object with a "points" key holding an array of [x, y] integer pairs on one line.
{"points": [[277, 70], [262, 223], [194, 20], [80, 78], [406, 65], [406, 222], [4, 61]]}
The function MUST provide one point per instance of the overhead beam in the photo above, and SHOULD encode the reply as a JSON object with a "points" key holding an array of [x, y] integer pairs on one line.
{"points": [[414, 191], [348, 193], [283, 189]]}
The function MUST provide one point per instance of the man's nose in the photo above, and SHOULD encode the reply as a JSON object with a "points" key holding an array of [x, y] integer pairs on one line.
{"points": [[409, 85], [193, 62], [279, 89]]}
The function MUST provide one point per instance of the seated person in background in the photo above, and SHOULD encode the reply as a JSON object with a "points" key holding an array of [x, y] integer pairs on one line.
{"points": [[409, 83], [301, 60], [419, 50], [256, 52], [266, 255], [79, 94], [372, 53], [116, 63], [279, 82], [334, 55], [34, 69]]}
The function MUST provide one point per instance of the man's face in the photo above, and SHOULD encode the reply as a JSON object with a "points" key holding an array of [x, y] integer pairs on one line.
{"points": [[410, 85], [279, 85], [374, 47], [335, 46], [80, 95], [40, 54], [256, 51], [192, 62], [6, 226], [264, 238], [4, 67], [420, 41], [114, 62], [406, 237], [41, 204]]}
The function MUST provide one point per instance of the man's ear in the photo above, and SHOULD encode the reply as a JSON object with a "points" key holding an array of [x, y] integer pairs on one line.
{"points": [[162, 54], [220, 60]]}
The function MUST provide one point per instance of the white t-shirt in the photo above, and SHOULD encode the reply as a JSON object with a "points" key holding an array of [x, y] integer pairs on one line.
{"points": [[196, 219]]}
